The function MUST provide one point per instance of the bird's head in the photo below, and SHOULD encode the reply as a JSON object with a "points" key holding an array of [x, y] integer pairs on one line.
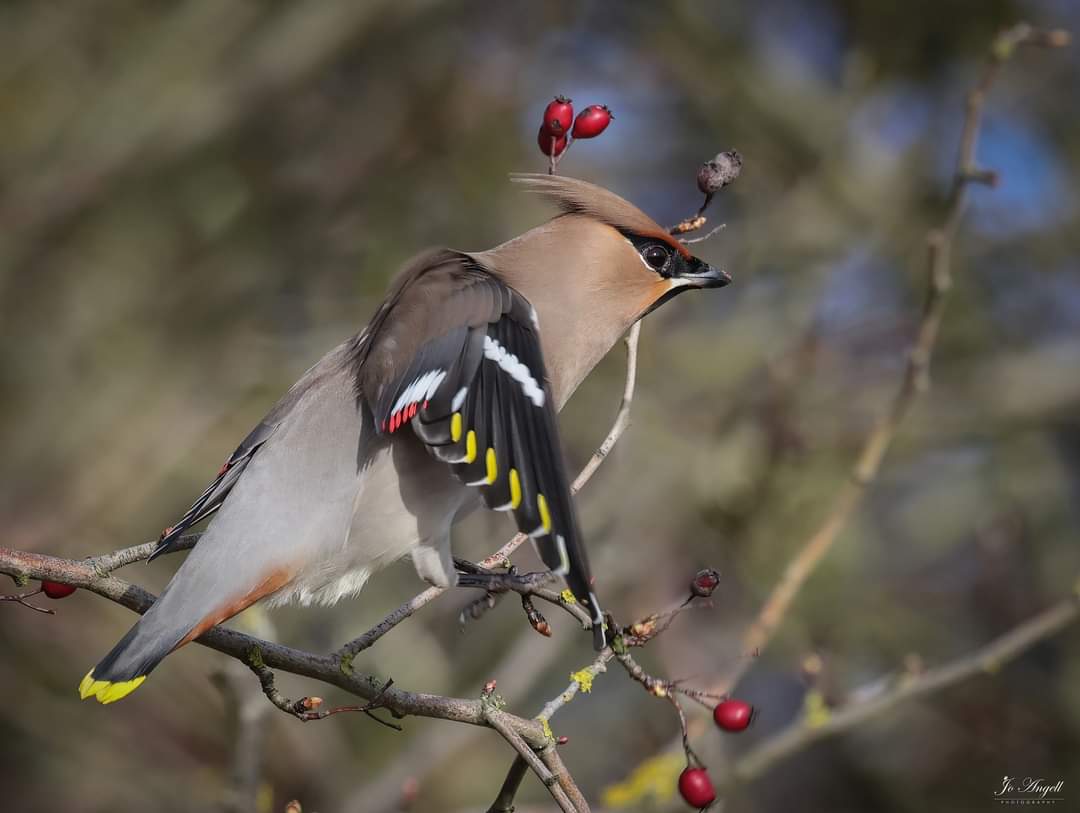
{"points": [[641, 262], [593, 270]]}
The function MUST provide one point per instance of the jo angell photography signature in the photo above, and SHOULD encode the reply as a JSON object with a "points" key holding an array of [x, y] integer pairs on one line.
{"points": [[1029, 790]]}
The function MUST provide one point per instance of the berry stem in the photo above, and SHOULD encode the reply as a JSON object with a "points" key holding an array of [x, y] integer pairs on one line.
{"points": [[553, 160], [21, 599]]}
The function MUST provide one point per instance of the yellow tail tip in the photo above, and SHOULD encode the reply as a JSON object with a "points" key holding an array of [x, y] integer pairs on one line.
{"points": [[106, 691]]}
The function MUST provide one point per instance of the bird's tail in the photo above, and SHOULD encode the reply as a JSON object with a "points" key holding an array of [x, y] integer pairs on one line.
{"points": [[125, 668], [204, 592]]}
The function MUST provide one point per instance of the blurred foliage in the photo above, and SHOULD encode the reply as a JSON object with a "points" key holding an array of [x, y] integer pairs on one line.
{"points": [[198, 199]]}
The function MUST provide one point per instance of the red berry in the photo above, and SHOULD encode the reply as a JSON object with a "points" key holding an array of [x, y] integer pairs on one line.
{"points": [[558, 116], [592, 121], [544, 139], [57, 590], [705, 582], [733, 715], [696, 787]]}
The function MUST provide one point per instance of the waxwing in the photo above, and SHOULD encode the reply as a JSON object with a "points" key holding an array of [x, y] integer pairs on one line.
{"points": [[446, 399]]}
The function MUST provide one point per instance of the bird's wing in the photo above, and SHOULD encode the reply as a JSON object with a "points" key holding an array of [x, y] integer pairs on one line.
{"points": [[457, 357], [214, 496]]}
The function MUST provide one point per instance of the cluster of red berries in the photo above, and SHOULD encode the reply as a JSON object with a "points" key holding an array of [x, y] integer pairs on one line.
{"points": [[559, 126], [695, 786]]}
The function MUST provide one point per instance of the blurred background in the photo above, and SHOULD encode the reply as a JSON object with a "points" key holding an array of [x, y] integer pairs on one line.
{"points": [[198, 199]]}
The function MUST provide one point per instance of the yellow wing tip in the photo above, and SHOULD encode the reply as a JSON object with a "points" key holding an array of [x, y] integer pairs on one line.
{"points": [[106, 691], [545, 513]]}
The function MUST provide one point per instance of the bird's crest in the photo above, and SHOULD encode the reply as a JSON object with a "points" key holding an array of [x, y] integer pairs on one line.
{"points": [[575, 196]]}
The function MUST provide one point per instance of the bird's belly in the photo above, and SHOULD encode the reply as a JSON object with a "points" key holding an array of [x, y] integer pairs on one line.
{"points": [[405, 497]]}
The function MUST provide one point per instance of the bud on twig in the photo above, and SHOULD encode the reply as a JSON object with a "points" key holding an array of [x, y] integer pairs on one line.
{"points": [[644, 628], [536, 618]]}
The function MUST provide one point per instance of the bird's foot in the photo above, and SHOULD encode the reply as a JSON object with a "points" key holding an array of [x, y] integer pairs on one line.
{"points": [[473, 575]]}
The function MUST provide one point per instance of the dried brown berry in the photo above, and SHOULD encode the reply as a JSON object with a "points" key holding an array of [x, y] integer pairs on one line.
{"points": [[714, 175]]}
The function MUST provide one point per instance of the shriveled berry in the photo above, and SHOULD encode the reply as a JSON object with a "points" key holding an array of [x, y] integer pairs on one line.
{"points": [[714, 175], [558, 116], [592, 121], [544, 140], [733, 715], [705, 581], [56, 589], [696, 788]]}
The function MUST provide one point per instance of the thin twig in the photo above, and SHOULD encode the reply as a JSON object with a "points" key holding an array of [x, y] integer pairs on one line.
{"points": [[622, 416], [713, 231], [307, 709], [598, 666], [637, 634], [21, 600], [529, 590], [986, 660]]}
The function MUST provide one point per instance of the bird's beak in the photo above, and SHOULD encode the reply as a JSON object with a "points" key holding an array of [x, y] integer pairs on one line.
{"points": [[694, 274], [702, 275]]}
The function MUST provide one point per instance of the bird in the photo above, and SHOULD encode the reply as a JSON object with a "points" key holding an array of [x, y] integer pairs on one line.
{"points": [[448, 399]]}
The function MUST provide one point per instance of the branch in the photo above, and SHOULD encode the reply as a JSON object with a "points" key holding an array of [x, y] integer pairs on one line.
{"points": [[636, 635], [915, 379], [566, 783], [108, 562], [248, 715], [528, 589], [527, 755], [986, 660], [579, 681], [326, 668], [504, 802]]}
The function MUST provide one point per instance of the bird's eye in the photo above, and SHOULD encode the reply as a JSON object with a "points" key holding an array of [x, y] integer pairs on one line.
{"points": [[656, 257]]}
